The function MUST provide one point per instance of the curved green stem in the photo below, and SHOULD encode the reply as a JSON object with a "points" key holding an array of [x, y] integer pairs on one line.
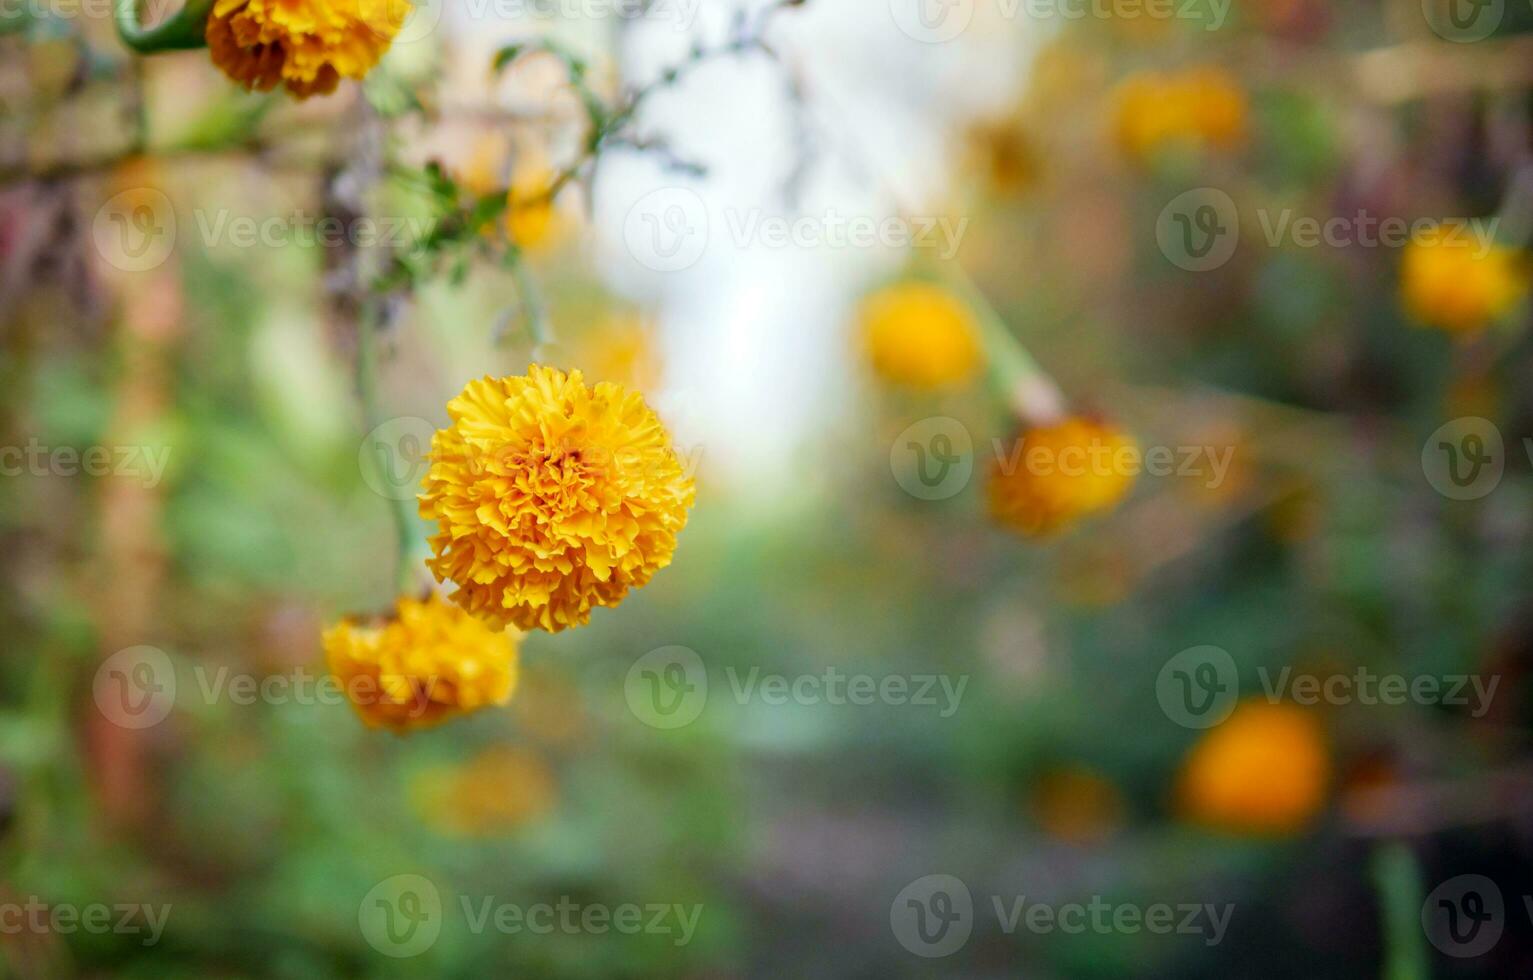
{"points": [[184, 30], [406, 524], [1027, 388]]}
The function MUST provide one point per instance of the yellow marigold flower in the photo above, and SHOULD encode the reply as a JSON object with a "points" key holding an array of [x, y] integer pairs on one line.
{"points": [[307, 45], [1262, 771], [920, 335], [551, 497], [1056, 474], [1461, 287], [499, 789], [1202, 107], [425, 664]]}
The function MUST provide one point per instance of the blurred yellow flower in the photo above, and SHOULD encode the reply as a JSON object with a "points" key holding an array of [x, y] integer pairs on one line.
{"points": [[1057, 474], [919, 335], [428, 662], [499, 789], [1263, 770], [1203, 107], [307, 45], [621, 348], [532, 220], [551, 497], [483, 172], [1077, 804], [1460, 286]]}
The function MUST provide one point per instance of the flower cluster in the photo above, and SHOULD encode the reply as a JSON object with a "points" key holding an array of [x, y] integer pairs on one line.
{"points": [[1459, 287]]}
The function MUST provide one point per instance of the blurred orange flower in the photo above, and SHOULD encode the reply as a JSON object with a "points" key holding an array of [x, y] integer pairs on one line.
{"points": [[1058, 474], [919, 335], [1201, 107], [1263, 770], [499, 789], [429, 662], [1460, 286], [1077, 804]]}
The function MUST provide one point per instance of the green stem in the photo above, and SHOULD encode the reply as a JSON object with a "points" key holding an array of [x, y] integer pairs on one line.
{"points": [[406, 524], [1026, 387], [184, 30], [1397, 880]]}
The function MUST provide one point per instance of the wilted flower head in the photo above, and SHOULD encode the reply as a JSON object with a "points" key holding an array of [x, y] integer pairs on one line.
{"points": [[423, 665], [551, 497], [1461, 286], [1056, 474], [306, 45], [1262, 771], [1202, 107], [920, 335]]}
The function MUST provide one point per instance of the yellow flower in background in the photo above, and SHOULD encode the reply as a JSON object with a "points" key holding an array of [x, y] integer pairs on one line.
{"points": [[621, 348], [920, 335], [532, 221], [1461, 286], [306, 45], [428, 662], [500, 789], [1201, 107], [1263, 770], [484, 171], [1055, 475], [551, 498]]}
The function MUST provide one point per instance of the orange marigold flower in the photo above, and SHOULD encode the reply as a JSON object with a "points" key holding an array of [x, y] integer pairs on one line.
{"points": [[1262, 771], [428, 662], [306, 45], [1203, 107], [1057, 474], [551, 497], [920, 335], [1459, 286]]}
